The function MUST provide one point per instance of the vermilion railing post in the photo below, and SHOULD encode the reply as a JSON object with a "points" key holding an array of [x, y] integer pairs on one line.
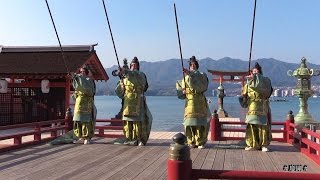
{"points": [[54, 133], [289, 130], [68, 120], [17, 140], [313, 139], [101, 132], [304, 148], [179, 162], [37, 133], [215, 127]]}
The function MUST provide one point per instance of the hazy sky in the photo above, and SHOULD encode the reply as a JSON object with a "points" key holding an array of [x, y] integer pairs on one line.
{"points": [[285, 29]]}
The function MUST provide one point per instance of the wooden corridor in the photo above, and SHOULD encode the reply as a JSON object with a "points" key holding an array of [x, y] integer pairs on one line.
{"points": [[102, 160]]}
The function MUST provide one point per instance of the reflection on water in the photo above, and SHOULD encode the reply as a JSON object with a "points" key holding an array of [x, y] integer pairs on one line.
{"points": [[167, 111]]}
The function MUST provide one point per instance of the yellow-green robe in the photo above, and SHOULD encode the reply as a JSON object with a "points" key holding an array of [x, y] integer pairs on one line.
{"points": [[196, 111], [258, 118], [84, 110], [135, 112]]}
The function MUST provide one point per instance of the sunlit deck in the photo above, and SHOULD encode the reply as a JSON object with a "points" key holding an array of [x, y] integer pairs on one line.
{"points": [[102, 160]]}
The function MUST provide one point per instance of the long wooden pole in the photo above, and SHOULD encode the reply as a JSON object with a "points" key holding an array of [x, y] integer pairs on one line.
{"points": [[252, 31], [243, 99], [114, 46], [55, 29], [177, 25]]}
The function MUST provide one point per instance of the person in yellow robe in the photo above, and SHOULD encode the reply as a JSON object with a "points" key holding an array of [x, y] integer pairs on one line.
{"points": [[258, 118], [196, 111], [136, 116], [84, 110]]}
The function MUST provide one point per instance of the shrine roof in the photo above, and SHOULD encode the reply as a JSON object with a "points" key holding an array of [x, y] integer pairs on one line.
{"points": [[36, 61]]}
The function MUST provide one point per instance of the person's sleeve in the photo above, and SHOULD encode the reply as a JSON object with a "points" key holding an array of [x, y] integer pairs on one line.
{"points": [[75, 82], [146, 86], [179, 90], [198, 82], [262, 85], [244, 90], [119, 91]]}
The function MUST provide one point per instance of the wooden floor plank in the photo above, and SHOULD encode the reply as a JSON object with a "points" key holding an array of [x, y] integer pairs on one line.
{"points": [[218, 162], [102, 160], [276, 160], [312, 167], [301, 160], [161, 170], [208, 163], [234, 159], [278, 154], [110, 167], [79, 161], [92, 163], [199, 160], [248, 160], [145, 174], [46, 157], [219, 158], [267, 161], [194, 152], [259, 163], [136, 167]]}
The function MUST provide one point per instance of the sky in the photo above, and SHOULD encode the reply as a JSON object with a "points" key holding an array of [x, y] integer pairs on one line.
{"points": [[286, 30]]}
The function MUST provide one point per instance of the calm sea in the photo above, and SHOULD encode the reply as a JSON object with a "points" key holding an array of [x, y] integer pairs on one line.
{"points": [[167, 111]]}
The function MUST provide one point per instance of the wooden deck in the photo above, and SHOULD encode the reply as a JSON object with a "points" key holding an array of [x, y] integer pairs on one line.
{"points": [[102, 160]]}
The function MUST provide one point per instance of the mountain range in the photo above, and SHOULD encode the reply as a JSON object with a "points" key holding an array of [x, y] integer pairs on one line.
{"points": [[162, 75]]}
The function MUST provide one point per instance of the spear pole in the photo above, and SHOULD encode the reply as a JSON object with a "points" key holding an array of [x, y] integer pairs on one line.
{"points": [[114, 46], [243, 99], [177, 25], [252, 31], [55, 29]]}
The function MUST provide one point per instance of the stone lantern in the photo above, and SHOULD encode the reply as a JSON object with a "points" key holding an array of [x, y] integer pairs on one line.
{"points": [[303, 90], [221, 95]]}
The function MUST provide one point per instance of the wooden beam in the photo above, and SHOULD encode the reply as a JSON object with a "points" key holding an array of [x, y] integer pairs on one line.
{"points": [[228, 73], [35, 84], [227, 80]]}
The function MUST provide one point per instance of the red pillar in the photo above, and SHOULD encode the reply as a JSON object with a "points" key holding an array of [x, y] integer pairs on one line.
{"points": [[37, 133], [215, 127], [179, 162], [68, 120], [17, 140], [179, 170], [289, 130]]}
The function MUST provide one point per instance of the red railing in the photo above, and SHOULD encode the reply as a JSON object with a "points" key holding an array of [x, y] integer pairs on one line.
{"points": [[218, 127], [182, 169], [302, 138], [264, 175], [113, 128], [36, 129], [298, 137]]}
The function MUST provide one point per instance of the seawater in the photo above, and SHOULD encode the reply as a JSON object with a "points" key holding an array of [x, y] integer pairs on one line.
{"points": [[167, 111]]}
